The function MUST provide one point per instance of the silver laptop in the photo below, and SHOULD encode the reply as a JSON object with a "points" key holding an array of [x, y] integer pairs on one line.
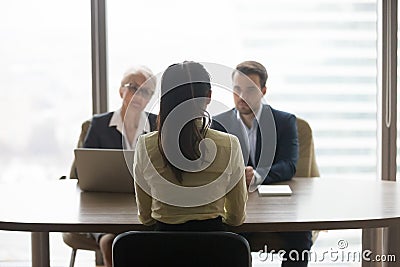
{"points": [[104, 170]]}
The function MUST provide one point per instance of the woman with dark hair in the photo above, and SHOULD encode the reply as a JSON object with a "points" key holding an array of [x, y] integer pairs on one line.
{"points": [[188, 177]]}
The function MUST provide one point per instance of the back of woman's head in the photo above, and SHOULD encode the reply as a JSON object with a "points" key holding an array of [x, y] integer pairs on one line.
{"points": [[185, 92], [181, 82]]}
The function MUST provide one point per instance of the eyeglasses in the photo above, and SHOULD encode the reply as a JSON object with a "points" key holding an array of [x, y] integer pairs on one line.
{"points": [[133, 88]]}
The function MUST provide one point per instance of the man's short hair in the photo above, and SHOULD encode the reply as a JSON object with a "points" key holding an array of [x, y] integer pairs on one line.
{"points": [[253, 67]]}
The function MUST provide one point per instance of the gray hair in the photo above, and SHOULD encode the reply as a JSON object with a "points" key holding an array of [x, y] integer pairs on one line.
{"points": [[151, 80]]}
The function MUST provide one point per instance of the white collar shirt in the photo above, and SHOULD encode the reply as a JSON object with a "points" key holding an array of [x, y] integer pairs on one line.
{"points": [[143, 127], [251, 133]]}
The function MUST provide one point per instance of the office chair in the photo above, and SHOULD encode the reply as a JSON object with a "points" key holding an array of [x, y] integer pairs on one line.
{"points": [[307, 164], [81, 240], [158, 248], [306, 167], [84, 129]]}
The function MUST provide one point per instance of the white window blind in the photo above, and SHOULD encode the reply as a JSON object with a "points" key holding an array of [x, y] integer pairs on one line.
{"points": [[321, 57]]}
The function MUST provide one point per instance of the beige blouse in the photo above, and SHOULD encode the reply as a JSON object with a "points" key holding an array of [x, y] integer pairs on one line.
{"points": [[218, 188]]}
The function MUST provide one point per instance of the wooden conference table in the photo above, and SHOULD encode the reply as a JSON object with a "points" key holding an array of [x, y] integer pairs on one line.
{"points": [[316, 203]]}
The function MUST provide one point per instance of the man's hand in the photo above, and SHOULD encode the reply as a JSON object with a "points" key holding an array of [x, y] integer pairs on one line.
{"points": [[249, 173]]}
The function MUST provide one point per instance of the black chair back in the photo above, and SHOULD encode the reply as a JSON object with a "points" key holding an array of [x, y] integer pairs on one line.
{"points": [[152, 248]]}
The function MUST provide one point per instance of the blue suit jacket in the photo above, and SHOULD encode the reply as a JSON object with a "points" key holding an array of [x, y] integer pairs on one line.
{"points": [[274, 162], [101, 135]]}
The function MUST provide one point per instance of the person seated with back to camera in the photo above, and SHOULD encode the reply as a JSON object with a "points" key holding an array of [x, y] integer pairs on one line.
{"points": [[120, 129], [185, 153]]}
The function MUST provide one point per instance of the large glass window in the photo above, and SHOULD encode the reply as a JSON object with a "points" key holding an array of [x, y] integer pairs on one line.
{"points": [[45, 95], [321, 57], [45, 86]]}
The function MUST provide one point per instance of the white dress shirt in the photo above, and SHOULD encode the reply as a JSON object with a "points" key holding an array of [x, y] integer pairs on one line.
{"points": [[251, 143], [143, 127]]}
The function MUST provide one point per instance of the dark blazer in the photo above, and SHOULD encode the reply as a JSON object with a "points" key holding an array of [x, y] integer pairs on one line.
{"points": [[274, 161], [101, 135]]}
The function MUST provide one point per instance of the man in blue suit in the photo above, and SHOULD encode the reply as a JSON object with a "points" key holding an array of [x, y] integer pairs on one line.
{"points": [[268, 138]]}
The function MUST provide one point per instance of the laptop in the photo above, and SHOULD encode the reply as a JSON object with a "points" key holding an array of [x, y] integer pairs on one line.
{"points": [[104, 170]]}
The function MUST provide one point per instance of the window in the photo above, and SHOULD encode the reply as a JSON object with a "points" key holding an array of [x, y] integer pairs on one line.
{"points": [[45, 96], [46, 81], [321, 57]]}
